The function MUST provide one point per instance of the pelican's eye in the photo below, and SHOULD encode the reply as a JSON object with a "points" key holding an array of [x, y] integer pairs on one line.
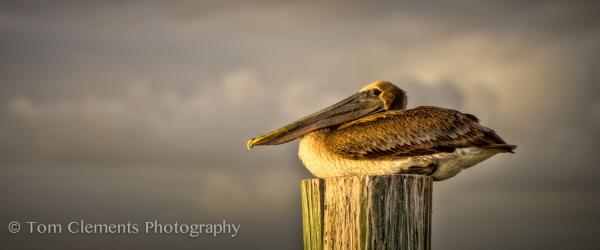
{"points": [[375, 92]]}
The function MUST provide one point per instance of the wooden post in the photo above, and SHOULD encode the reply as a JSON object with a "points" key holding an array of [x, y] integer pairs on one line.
{"points": [[367, 212]]}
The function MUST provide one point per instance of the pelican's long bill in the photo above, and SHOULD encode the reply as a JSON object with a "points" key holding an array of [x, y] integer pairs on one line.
{"points": [[354, 107]]}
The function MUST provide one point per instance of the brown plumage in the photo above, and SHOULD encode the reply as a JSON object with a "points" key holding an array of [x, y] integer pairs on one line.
{"points": [[372, 133], [419, 131]]}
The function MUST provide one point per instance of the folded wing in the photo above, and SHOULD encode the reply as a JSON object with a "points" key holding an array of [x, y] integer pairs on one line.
{"points": [[418, 131]]}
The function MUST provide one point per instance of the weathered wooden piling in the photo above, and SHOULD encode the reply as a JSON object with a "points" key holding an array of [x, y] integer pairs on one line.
{"points": [[367, 212]]}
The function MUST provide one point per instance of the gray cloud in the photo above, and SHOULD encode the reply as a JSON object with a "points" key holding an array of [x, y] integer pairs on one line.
{"points": [[142, 109]]}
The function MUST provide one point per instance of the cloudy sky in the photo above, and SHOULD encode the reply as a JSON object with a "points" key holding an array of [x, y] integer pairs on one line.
{"points": [[113, 112]]}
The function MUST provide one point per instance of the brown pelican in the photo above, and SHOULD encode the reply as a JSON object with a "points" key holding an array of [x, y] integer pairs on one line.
{"points": [[372, 133]]}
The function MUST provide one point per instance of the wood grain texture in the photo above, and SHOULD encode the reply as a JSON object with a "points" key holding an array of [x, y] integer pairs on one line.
{"points": [[367, 212], [312, 213]]}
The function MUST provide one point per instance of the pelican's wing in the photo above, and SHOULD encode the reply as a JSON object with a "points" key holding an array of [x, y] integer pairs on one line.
{"points": [[418, 131]]}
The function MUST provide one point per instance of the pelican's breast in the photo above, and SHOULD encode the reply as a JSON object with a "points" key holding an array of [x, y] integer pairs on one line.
{"points": [[323, 162]]}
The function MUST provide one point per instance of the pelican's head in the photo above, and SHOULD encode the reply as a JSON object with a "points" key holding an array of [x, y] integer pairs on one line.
{"points": [[374, 98], [392, 97]]}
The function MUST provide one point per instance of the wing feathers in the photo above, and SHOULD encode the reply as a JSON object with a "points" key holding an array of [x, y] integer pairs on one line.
{"points": [[418, 131]]}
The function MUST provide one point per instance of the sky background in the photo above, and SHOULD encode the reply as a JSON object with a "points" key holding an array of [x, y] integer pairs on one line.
{"points": [[116, 111]]}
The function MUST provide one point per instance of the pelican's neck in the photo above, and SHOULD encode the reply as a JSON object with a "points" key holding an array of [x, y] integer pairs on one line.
{"points": [[317, 138], [315, 155]]}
